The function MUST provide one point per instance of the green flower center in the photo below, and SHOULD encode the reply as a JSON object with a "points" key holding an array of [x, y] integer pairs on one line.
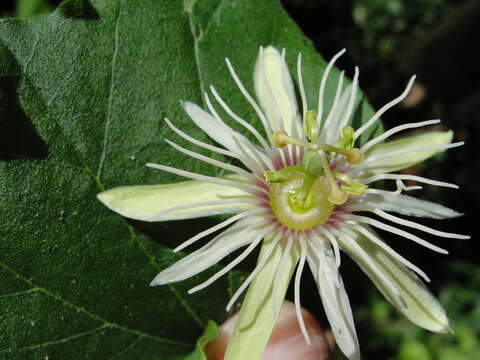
{"points": [[295, 210]]}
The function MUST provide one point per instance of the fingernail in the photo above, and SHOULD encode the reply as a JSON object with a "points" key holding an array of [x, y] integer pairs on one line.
{"points": [[286, 342]]}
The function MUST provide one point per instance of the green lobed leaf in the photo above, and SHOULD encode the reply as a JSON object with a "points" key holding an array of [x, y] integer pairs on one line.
{"points": [[211, 332], [83, 93]]}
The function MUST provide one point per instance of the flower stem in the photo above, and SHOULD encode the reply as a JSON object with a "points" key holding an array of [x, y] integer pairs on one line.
{"points": [[257, 316]]}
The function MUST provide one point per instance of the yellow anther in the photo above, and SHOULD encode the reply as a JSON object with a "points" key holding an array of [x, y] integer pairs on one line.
{"points": [[345, 146], [280, 138], [337, 196], [354, 156], [347, 138], [350, 187]]}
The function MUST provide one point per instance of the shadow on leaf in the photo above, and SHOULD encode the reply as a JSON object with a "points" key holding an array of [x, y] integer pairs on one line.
{"points": [[173, 233], [18, 137], [78, 9]]}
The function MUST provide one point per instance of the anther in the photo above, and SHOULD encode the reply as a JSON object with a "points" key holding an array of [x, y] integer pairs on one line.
{"points": [[281, 138], [350, 187], [347, 139], [311, 125], [336, 196], [354, 156]]}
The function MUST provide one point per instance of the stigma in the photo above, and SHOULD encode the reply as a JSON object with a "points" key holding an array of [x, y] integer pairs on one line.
{"points": [[316, 164]]}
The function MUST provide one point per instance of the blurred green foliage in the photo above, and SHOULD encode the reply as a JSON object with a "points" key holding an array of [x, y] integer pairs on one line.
{"points": [[371, 30], [384, 334], [387, 25], [26, 9]]}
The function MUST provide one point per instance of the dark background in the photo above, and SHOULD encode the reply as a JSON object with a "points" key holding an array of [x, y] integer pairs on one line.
{"points": [[390, 40], [438, 40]]}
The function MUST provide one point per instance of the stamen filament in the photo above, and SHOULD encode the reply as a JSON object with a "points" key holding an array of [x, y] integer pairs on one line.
{"points": [[281, 138], [354, 156]]}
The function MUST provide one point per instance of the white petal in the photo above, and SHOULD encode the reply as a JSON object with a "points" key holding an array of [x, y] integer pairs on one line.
{"points": [[238, 119], [378, 139], [416, 302], [385, 108], [323, 83], [256, 320], [151, 202], [406, 159], [238, 235], [332, 127], [407, 205], [275, 90], [215, 128], [261, 263], [408, 177], [335, 302]]}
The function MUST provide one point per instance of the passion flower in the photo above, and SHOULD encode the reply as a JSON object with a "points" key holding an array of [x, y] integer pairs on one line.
{"points": [[298, 193]]}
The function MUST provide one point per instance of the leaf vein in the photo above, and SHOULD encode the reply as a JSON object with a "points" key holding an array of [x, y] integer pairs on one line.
{"points": [[58, 341], [32, 53], [127, 348], [90, 314], [214, 14], [19, 293], [196, 54], [172, 288], [110, 95], [64, 82]]}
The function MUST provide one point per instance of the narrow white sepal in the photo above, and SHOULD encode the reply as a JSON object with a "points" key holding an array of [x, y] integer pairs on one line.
{"points": [[275, 91], [331, 128], [256, 320], [404, 159], [151, 202], [417, 303], [407, 205], [214, 127], [238, 235], [335, 301]]}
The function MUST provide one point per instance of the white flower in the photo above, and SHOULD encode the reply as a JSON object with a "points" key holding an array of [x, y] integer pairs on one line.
{"points": [[300, 189]]}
